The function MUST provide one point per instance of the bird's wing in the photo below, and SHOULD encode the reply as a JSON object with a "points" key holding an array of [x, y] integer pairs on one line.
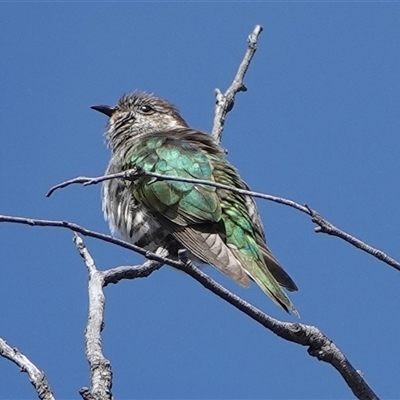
{"points": [[213, 224], [191, 212], [181, 202], [209, 246]]}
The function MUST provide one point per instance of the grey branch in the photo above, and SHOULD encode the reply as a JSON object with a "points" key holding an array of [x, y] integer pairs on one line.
{"points": [[324, 226], [100, 367], [117, 274], [318, 344], [225, 101], [36, 377], [87, 232]]}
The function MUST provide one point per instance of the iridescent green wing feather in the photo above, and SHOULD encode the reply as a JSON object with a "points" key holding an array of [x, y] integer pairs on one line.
{"points": [[181, 202], [191, 212]]}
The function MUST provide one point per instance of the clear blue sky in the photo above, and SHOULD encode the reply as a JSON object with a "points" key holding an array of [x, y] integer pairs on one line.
{"points": [[319, 124]]}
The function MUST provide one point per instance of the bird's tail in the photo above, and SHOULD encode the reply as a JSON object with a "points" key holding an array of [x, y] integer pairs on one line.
{"points": [[258, 271]]}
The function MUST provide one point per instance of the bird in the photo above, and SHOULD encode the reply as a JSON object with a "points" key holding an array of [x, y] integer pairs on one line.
{"points": [[215, 226]]}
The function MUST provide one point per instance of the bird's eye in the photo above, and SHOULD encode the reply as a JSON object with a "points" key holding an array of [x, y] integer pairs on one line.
{"points": [[146, 109]]}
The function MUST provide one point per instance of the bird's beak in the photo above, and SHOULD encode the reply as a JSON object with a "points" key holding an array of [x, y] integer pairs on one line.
{"points": [[109, 111]]}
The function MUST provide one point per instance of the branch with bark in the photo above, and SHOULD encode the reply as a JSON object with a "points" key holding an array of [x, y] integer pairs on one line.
{"points": [[36, 377], [319, 345], [225, 101], [324, 226]]}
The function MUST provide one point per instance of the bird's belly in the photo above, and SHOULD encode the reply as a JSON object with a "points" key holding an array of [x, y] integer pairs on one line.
{"points": [[136, 225], [130, 219], [140, 228]]}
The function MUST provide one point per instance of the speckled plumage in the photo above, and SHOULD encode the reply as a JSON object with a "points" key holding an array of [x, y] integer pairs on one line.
{"points": [[217, 227]]}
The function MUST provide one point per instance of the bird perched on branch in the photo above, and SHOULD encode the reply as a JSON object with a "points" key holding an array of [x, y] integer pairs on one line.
{"points": [[216, 226]]}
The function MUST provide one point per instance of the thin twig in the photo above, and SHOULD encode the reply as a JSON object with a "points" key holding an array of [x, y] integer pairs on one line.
{"points": [[36, 377], [87, 232], [226, 101], [100, 367], [324, 226], [136, 173]]}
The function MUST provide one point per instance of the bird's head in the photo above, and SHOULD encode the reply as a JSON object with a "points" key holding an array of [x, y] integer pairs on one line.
{"points": [[138, 114]]}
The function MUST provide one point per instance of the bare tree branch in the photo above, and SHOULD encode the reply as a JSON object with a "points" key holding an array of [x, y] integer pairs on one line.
{"points": [[226, 101], [36, 377], [100, 367], [87, 232], [318, 344], [324, 226], [115, 275]]}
